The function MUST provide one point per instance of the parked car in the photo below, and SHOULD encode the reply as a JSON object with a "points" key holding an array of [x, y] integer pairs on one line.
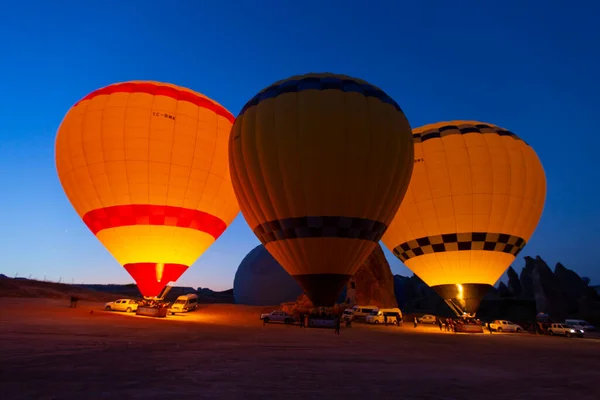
{"points": [[127, 305], [278, 316], [564, 330], [427, 319], [501, 325]]}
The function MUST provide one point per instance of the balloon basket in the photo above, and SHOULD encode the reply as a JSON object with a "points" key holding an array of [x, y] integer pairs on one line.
{"points": [[321, 323], [469, 328], [150, 311]]}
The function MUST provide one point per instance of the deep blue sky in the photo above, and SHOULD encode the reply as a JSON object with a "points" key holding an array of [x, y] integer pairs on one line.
{"points": [[531, 67]]}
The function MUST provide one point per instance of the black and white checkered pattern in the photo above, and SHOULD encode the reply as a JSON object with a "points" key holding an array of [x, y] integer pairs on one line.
{"points": [[460, 130], [460, 241], [319, 227]]}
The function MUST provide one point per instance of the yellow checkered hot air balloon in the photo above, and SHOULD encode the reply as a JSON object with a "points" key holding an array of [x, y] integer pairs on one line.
{"points": [[145, 166], [319, 165], [476, 195]]}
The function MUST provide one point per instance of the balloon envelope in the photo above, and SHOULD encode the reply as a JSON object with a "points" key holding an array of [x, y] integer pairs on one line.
{"points": [[476, 195], [145, 166], [319, 165], [261, 281]]}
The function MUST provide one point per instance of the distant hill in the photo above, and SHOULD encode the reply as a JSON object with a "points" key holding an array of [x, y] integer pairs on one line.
{"points": [[23, 287]]}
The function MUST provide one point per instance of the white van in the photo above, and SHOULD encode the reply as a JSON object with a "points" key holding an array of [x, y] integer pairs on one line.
{"points": [[580, 324], [379, 316], [361, 312], [184, 303]]}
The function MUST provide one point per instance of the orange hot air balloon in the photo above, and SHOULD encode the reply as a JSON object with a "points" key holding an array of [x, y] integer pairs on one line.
{"points": [[476, 195], [145, 166], [319, 165]]}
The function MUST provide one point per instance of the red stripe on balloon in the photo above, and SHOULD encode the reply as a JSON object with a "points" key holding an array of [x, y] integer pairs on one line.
{"points": [[144, 275], [161, 90], [147, 214]]}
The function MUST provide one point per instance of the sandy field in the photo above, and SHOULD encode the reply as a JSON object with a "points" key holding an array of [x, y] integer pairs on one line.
{"points": [[51, 351]]}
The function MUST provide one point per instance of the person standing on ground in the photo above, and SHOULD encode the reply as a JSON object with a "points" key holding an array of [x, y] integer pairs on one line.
{"points": [[385, 319], [489, 328], [337, 326], [415, 321], [439, 323], [398, 320]]}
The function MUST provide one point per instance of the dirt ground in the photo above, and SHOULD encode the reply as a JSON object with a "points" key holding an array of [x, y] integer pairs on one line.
{"points": [[50, 351]]}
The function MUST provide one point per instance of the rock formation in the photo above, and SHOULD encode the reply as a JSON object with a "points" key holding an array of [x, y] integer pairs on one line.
{"points": [[503, 290], [514, 284], [560, 293], [373, 283], [547, 293]]}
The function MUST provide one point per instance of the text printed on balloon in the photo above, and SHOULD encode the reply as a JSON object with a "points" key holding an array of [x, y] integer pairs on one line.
{"points": [[165, 115]]}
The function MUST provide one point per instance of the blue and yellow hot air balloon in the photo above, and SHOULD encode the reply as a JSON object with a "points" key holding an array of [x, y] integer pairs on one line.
{"points": [[319, 165]]}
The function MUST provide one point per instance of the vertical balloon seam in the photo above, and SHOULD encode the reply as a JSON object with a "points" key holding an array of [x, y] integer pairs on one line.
{"points": [[491, 205], [252, 144], [507, 170], [262, 188], [248, 142], [437, 214], [196, 134], [472, 195], [85, 156], [174, 231], [292, 252], [517, 224], [129, 95], [300, 249], [102, 129], [430, 190], [212, 160], [269, 133], [369, 123], [450, 168], [374, 112]]}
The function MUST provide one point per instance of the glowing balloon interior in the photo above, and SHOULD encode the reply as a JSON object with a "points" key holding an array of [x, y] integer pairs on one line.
{"points": [[476, 195], [145, 166], [319, 165]]}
